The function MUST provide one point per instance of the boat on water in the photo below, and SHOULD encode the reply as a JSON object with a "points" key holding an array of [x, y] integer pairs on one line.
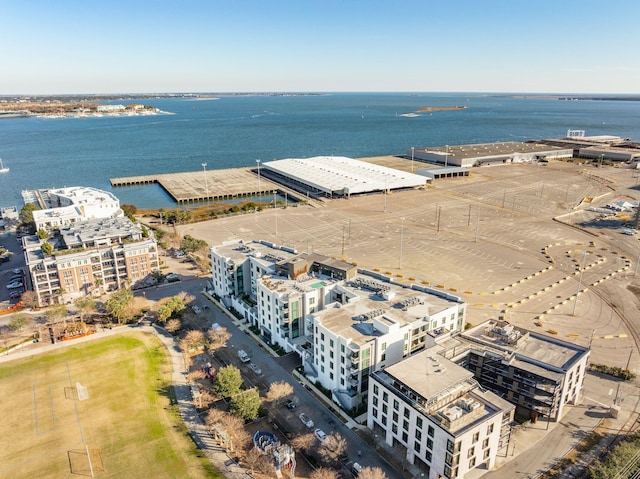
{"points": [[3, 169]]}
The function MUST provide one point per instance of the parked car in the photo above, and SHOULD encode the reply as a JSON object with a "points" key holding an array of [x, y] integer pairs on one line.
{"points": [[14, 285], [172, 277], [290, 404], [255, 368], [356, 468], [196, 309], [15, 295], [244, 357], [321, 435], [306, 420], [17, 271]]}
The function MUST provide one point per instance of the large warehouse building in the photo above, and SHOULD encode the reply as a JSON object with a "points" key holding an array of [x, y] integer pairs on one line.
{"points": [[485, 154], [338, 176]]}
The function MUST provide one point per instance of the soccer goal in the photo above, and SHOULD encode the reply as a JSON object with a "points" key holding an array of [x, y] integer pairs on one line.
{"points": [[82, 391]]}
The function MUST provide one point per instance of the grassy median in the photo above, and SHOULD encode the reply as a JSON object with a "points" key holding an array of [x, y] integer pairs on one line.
{"points": [[126, 428]]}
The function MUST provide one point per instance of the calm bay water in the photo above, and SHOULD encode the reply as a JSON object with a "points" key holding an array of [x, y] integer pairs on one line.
{"points": [[235, 131]]}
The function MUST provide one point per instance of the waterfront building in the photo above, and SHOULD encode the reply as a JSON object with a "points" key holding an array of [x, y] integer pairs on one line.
{"points": [[438, 414], [91, 257], [540, 374], [64, 206], [343, 322], [485, 154]]}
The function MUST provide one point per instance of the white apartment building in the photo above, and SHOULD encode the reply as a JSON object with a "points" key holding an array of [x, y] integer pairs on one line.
{"points": [[439, 415], [369, 323], [344, 324], [65, 206]]}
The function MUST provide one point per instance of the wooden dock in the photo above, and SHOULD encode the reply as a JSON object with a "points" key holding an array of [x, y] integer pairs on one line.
{"points": [[198, 186]]}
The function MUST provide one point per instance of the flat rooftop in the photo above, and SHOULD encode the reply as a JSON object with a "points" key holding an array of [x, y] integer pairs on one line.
{"points": [[429, 374], [530, 346], [488, 149], [339, 175], [405, 307], [238, 251]]}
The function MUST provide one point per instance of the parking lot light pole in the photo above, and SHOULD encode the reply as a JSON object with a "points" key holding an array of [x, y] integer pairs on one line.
{"points": [[401, 239], [206, 184]]}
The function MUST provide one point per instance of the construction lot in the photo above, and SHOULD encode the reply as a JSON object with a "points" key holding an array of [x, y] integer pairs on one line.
{"points": [[514, 241]]}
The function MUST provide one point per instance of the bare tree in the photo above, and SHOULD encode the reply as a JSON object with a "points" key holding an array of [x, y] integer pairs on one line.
{"points": [[278, 391], [30, 299], [372, 473], [218, 338], [186, 297], [195, 376], [254, 459], [323, 473], [333, 449], [194, 339], [233, 426], [18, 321], [173, 325], [304, 442]]}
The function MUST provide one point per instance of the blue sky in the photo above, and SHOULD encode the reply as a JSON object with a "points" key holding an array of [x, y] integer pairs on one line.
{"points": [[543, 46]]}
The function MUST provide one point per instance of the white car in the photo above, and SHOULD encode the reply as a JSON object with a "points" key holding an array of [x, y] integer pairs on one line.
{"points": [[17, 271], [321, 435], [196, 309], [244, 357], [306, 420], [14, 285]]}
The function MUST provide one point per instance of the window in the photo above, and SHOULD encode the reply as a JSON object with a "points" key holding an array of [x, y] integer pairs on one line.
{"points": [[396, 404], [394, 428], [375, 401], [331, 342], [485, 443], [406, 413], [418, 435], [476, 436], [385, 396], [419, 422], [395, 416], [472, 462], [427, 456], [405, 437], [342, 348], [430, 444], [430, 431], [489, 429], [405, 425], [416, 446], [384, 408], [383, 347], [384, 420], [375, 412], [384, 356], [471, 452]]}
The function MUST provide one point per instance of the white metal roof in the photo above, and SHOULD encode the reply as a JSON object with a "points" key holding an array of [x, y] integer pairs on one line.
{"points": [[342, 175]]}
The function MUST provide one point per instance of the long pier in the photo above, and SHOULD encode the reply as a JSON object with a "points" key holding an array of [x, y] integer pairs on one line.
{"points": [[198, 186]]}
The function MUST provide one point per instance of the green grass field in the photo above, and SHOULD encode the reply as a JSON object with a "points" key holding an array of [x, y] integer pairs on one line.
{"points": [[128, 422]]}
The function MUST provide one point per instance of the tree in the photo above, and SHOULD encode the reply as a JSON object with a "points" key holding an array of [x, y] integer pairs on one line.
{"points": [[42, 234], [323, 473], [171, 308], [173, 325], [56, 312], [228, 381], [26, 216], [194, 339], [305, 442], [333, 449], [85, 304], [218, 338], [245, 404], [30, 299], [190, 244], [254, 459], [232, 425], [47, 248], [119, 304], [372, 473], [278, 391], [18, 321], [129, 211]]}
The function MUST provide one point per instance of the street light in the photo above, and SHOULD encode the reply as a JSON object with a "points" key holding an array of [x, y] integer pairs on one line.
{"points": [[401, 239], [575, 304], [446, 156], [206, 185], [412, 154], [259, 187]]}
